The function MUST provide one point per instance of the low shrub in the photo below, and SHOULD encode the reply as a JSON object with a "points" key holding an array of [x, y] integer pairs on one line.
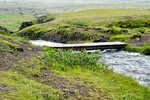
{"points": [[63, 60]]}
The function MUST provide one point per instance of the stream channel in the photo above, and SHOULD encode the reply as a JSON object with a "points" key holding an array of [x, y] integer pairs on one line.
{"points": [[130, 64]]}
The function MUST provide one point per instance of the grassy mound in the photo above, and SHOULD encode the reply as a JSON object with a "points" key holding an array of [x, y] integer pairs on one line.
{"points": [[63, 33]]}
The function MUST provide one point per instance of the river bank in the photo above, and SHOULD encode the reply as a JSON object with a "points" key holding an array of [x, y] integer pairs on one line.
{"points": [[35, 72]]}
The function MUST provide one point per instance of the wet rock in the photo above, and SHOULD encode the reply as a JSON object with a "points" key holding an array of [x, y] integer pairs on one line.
{"points": [[104, 39]]}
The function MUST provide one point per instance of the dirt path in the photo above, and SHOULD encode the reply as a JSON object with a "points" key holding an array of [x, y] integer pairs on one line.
{"points": [[9, 60]]}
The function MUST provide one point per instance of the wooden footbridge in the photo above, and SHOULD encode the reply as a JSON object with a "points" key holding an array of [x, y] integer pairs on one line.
{"points": [[91, 46]]}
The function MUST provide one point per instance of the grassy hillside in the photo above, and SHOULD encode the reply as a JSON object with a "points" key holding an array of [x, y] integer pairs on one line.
{"points": [[13, 22], [96, 17], [44, 74], [130, 26]]}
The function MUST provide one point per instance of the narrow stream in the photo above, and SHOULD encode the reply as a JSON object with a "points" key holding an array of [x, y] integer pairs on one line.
{"points": [[130, 64]]}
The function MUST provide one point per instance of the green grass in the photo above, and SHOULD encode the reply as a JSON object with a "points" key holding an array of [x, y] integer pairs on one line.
{"points": [[116, 86], [143, 50], [26, 89], [96, 17], [13, 22], [24, 82]]}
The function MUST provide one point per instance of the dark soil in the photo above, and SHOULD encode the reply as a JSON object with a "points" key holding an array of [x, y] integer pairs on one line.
{"points": [[141, 42]]}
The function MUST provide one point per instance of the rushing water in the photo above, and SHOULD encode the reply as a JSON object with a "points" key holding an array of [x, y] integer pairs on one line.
{"points": [[130, 64], [134, 65]]}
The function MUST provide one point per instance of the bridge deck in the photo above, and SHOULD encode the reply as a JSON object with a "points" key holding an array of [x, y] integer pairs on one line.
{"points": [[91, 46]]}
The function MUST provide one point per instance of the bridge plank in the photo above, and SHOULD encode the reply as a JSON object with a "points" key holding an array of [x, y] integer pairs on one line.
{"points": [[91, 46]]}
